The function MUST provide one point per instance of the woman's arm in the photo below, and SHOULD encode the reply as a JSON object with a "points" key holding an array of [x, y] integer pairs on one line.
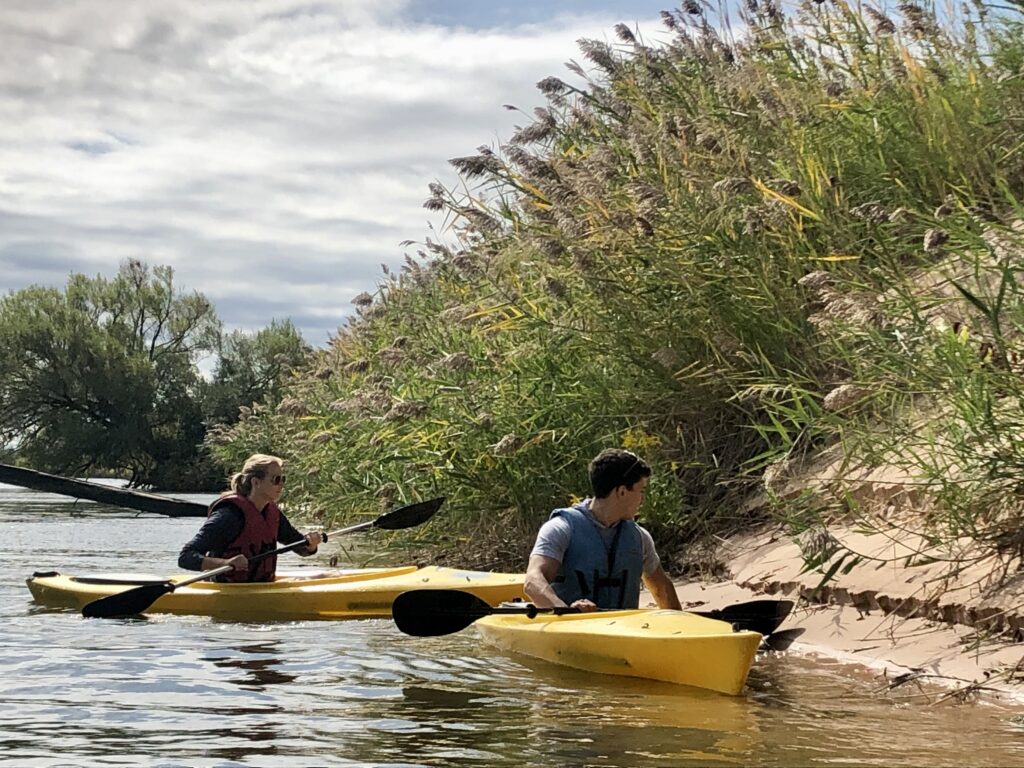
{"points": [[220, 529], [289, 534]]}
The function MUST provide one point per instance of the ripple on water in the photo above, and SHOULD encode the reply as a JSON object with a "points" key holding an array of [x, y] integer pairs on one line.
{"points": [[189, 691]]}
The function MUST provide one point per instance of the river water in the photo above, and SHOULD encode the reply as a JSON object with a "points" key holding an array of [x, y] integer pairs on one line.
{"points": [[190, 691]]}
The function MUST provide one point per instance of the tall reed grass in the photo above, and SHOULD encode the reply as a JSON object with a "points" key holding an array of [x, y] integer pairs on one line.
{"points": [[729, 249]]}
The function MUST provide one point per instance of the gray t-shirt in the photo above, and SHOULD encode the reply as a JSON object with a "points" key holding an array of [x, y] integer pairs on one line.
{"points": [[553, 540]]}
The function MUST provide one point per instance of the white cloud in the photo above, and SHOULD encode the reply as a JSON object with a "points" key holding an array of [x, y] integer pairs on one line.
{"points": [[236, 139]]}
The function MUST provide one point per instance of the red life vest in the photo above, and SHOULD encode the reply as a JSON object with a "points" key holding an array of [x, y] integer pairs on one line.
{"points": [[259, 534]]}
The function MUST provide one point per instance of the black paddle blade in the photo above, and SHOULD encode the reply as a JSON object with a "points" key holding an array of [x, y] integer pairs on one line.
{"points": [[761, 616], [434, 612], [410, 515], [780, 641], [128, 603]]}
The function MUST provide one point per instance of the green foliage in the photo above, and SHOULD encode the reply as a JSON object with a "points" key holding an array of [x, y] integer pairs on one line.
{"points": [[725, 251], [101, 375], [251, 368]]}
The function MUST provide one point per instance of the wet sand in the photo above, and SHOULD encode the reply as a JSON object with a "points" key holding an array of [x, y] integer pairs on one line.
{"points": [[926, 624]]}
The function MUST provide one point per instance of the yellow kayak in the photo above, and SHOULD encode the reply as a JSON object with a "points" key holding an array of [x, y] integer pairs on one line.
{"points": [[673, 646], [355, 594]]}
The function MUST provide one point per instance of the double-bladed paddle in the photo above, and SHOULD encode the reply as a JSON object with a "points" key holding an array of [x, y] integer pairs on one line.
{"points": [[135, 601], [433, 612], [761, 616], [781, 640]]}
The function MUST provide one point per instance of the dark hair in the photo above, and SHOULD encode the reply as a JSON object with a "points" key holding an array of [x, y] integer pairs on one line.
{"points": [[613, 467]]}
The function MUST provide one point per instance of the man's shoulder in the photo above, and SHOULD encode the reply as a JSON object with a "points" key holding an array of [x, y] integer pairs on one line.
{"points": [[554, 524], [552, 538], [572, 509], [640, 528]]}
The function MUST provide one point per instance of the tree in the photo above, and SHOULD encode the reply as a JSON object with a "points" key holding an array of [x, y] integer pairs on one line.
{"points": [[251, 369], [102, 376]]}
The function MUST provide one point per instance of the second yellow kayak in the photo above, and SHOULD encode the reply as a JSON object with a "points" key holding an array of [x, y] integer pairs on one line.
{"points": [[672, 646], [364, 593]]}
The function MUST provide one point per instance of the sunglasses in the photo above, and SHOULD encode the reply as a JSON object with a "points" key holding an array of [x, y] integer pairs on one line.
{"points": [[276, 479]]}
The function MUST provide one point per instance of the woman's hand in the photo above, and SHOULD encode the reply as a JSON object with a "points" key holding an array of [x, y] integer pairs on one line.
{"points": [[584, 606], [238, 563], [313, 539]]}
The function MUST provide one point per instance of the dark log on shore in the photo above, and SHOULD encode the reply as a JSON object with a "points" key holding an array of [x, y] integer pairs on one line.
{"points": [[118, 497]]}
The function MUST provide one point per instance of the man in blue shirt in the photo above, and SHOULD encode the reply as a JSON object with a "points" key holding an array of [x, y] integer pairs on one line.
{"points": [[593, 555]]}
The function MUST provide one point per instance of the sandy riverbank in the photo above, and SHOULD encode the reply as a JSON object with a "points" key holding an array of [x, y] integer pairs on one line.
{"points": [[959, 630]]}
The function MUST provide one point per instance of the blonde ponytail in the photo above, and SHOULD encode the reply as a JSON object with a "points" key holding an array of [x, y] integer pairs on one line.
{"points": [[255, 466]]}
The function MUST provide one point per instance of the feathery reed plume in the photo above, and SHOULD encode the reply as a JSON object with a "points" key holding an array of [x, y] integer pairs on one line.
{"points": [[455, 361], [844, 396], [554, 287], [438, 249], [784, 187], [436, 201], [934, 239], [947, 208], [883, 24], [666, 357], [357, 366], [507, 446], [543, 128], [624, 33], [873, 212], [467, 263], [474, 166], [408, 409], [552, 87], [390, 355], [732, 186], [918, 22], [291, 406], [600, 54]]}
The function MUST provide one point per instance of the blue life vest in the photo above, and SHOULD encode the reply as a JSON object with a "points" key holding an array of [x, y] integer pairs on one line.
{"points": [[606, 574]]}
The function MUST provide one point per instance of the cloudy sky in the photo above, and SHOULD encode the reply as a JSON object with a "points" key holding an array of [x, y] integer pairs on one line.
{"points": [[274, 152]]}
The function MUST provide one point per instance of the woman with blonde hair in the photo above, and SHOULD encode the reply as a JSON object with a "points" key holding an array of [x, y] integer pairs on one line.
{"points": [[244, 522]]}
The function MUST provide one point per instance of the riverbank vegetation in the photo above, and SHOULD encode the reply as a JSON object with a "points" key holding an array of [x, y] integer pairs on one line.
{"points": [[102, 377], [731, 247], [753, 249]]}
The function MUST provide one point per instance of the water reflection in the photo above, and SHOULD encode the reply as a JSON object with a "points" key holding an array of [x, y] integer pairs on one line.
{"points": [[582, 719], [626, 722], [188, 691], [261, 671], [438, 699], [439, 726]]}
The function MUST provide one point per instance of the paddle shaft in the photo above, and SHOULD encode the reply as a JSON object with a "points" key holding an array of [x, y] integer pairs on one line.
{"points": [[280, 550], [432, 612], [139, 599], [173, 585], [385, 520]]}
